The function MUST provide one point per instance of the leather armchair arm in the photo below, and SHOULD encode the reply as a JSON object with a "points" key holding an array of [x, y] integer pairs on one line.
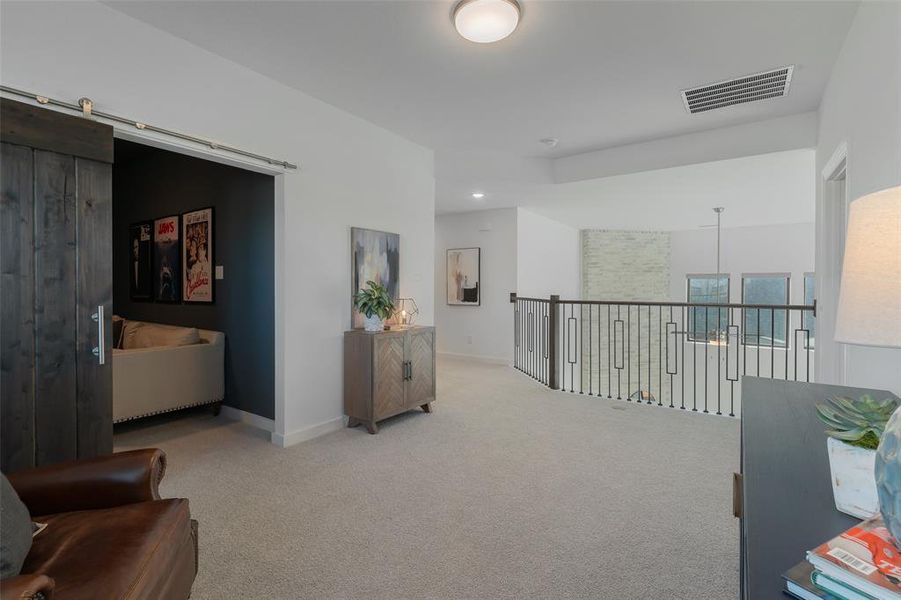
{"points": [[27, 587], [91, 484]]}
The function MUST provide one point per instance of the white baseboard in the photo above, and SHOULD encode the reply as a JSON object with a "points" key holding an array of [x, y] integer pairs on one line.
{"points": [[257, 421], [308, 433], [487, 359]]}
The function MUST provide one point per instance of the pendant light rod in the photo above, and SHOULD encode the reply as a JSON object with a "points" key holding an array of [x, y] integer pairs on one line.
{"points": [[85, 107], [719, 213]]}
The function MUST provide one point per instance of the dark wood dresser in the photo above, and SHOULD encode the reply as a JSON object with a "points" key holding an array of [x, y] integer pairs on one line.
{"points": [[784, 494], [387, 373]]}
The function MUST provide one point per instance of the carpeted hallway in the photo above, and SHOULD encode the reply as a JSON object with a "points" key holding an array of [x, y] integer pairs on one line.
{"points": [[507, 490]]}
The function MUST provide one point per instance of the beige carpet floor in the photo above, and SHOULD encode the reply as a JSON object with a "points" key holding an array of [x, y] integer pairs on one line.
{"points": [[508, 490]]}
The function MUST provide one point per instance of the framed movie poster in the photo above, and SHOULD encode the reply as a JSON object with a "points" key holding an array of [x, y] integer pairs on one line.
{"points": [[463, 276], [197, 255], [140, 263], [166, 260], [376, 257]]}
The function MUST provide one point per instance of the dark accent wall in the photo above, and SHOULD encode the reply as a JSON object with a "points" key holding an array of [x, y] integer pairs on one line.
{"points": [[149, 183]]}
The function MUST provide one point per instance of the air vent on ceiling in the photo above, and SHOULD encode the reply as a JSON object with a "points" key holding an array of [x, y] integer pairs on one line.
{"points": [[760, 86]]}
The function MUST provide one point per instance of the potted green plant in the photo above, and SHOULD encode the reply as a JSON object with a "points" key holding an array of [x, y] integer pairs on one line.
{"points": [[854, 428], [375, 305]]}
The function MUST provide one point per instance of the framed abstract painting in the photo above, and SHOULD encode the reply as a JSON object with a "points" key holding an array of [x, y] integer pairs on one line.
{"points": [[375, 256], [464, 287]]}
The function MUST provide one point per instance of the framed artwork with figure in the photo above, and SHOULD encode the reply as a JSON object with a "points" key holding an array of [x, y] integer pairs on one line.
{"points": [[197, 256], [464, 286], [140, 263], [375, 256]]}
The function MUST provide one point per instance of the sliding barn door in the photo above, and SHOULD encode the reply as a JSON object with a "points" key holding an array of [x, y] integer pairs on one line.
{"points": [[56, 288]]}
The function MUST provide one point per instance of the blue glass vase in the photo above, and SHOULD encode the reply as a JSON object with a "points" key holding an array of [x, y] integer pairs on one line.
{"points": [[888, 475]]}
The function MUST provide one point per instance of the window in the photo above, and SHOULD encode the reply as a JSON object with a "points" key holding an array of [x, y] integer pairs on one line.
{"points": [[808, 320], [706, 322], [765, 327]]}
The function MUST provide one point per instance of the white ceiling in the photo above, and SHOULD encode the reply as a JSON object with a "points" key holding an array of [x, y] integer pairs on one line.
{"points": [[593, 74]]}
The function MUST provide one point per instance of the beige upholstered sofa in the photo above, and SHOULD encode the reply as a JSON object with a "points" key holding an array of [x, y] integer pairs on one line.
{"points": [[159, 368]]}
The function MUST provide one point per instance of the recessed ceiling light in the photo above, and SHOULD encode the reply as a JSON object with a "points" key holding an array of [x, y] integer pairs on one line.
{"points": [[478, 195], [486, 21], [550, 142]]}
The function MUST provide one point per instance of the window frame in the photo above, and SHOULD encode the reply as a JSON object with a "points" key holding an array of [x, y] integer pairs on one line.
{"points": [[688, 278], [744, 336]]}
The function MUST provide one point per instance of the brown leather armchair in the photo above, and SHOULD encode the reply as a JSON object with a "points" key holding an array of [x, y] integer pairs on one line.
{"points": [[109, 534]]}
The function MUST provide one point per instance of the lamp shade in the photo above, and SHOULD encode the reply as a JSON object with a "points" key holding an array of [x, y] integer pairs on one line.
{"points": [[869, 305]]}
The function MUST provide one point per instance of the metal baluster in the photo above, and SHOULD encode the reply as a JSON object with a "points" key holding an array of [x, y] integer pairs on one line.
{"points": [[682, 337], [694, 362], [629, 353], [719, 348], [706, 325], [757, 347], [772, 343], [650, 390], [609, 356], [660, 355], [581, 346], [619, 370], [788, 318], [590, 354], [638, 338]]}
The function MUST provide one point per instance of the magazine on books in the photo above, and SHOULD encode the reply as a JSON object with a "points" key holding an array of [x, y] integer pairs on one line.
{"points": [[864, 557]]}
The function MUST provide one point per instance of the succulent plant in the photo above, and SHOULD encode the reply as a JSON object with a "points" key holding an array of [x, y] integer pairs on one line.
{"points": [[858, 422]]}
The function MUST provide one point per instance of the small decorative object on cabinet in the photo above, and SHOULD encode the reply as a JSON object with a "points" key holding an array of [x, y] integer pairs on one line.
{"points": [[375, 305], [387, 373], [888, 475], [406, 311], [854, 428]]}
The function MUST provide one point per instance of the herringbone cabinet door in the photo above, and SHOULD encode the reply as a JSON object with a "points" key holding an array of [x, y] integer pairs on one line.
{"points": [[389, 374], [421, 386]]}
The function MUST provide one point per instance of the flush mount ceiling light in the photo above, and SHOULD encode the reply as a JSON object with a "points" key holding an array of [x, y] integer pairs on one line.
{"points": [[486, 21], [478, 195]]}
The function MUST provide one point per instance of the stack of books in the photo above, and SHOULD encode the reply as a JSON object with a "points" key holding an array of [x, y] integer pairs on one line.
{"points": [[862, 563]]}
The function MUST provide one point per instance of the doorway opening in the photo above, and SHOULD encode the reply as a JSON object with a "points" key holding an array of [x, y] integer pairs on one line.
{"points": [[831, 357], [193, 291]]}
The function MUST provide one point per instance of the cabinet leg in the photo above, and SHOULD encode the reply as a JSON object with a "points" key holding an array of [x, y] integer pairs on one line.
{"points": [[352, 422], [372, 428], [427, 407]]}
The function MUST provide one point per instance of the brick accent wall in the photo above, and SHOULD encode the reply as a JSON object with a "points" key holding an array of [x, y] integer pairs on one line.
{"points": [[623, 265]]}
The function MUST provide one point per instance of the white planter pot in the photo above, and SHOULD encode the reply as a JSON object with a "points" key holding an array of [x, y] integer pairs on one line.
{"points": [[373, 323], [853, 479]]}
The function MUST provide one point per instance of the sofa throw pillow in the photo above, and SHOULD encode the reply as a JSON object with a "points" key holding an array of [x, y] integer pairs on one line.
{"points": [[152, 335], [15, 531]]}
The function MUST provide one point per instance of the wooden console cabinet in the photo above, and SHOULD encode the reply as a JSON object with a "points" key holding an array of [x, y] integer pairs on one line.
{"points": [[387, 373]]}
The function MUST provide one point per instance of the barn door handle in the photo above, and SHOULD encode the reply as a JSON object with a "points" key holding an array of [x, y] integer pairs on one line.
{"points": [[100, 349]]}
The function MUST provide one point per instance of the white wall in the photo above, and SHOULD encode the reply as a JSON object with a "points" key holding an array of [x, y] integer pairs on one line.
{"points": [[862, 108], [484, 331], [770, 249], [548, 257], [352, 172]]}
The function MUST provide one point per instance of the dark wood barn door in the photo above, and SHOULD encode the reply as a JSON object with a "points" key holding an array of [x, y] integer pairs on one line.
{"points": [[56, 287]]}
